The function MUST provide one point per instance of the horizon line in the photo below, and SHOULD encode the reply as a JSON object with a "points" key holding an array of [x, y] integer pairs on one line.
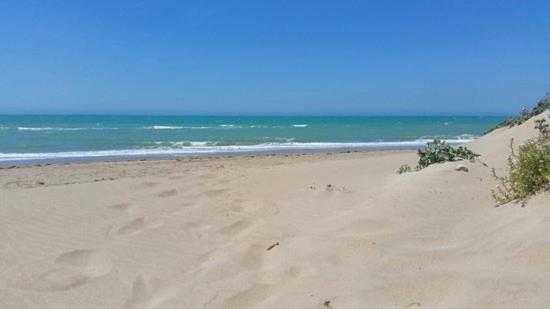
{"points": [[254, 115]]}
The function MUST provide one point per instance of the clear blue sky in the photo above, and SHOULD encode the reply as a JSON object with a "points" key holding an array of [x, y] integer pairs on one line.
{"points": [[273, 57]]}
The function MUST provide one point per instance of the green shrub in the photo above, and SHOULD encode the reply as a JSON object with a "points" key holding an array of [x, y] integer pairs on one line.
{"points": [[529, 169], [542, 105], [543, 128], [405, 168], [438, 151], [525, 114]]}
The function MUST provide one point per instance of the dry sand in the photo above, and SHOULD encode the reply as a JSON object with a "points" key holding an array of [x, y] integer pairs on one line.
{"points": [[284, 231]]}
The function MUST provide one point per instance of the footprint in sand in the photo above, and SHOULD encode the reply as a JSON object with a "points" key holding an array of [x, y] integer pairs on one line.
{"points": [[253, 257], [236, 228], [120, 206], [270, 208], [138, 225], [213, 193], [196, 229], [149, 184], [206, 176], [249, 298], [238, 201], [236, 206], [68, 270], [168, 193], [148, 295]]}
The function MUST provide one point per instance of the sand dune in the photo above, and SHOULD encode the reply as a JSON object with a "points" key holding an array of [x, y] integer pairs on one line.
{"points": [[286, 231]]}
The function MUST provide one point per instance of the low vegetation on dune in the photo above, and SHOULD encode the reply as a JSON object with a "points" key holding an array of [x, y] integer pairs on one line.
{"points": [[528, 166], [438, 151], [525, 114], [405, 168], [528, 169]]}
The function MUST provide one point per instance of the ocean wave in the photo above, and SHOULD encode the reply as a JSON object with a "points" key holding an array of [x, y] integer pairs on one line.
{"points": [[232, 126], [279, 139], [184, 144], [39, 129], [63, 128], [176, 127], [461, 137], [163, 127], [223, 126], [205, 148]]}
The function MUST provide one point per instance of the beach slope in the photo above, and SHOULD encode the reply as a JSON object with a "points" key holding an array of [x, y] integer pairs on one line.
{"points": [[285, 231]]}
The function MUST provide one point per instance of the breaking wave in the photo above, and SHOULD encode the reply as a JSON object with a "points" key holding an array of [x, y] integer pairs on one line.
{"points": [[167, 149]]}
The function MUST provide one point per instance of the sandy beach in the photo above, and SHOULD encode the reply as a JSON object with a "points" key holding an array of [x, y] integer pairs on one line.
{"points": [[339, 230]]}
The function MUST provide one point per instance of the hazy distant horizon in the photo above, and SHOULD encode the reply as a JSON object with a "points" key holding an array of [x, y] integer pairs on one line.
{"points": [[153, 114]]}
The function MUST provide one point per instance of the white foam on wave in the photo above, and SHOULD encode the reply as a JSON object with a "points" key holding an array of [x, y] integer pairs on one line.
{"points": [[232, 126], [163, 127], [222, 126], [62, 128], [175, 127], [43, 129], [201, 148], [184, 144], [461, 137]]}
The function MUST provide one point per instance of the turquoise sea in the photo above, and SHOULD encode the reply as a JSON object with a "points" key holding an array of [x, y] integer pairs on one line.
{"points": [[72, 138]]}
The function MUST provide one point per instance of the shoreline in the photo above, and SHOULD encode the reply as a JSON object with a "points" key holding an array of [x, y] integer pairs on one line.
{"points": [[90, 160], [385, 146], [43, 175], [207, 157]]}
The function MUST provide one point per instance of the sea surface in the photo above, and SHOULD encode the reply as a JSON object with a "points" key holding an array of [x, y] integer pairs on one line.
{"points": [[73, 138]]}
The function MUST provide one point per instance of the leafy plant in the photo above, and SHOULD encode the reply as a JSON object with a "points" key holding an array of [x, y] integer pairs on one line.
{"points": [[543, 128], [542, 105], [529, 169], [438, 151], [405, 168], [525, 114]]}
